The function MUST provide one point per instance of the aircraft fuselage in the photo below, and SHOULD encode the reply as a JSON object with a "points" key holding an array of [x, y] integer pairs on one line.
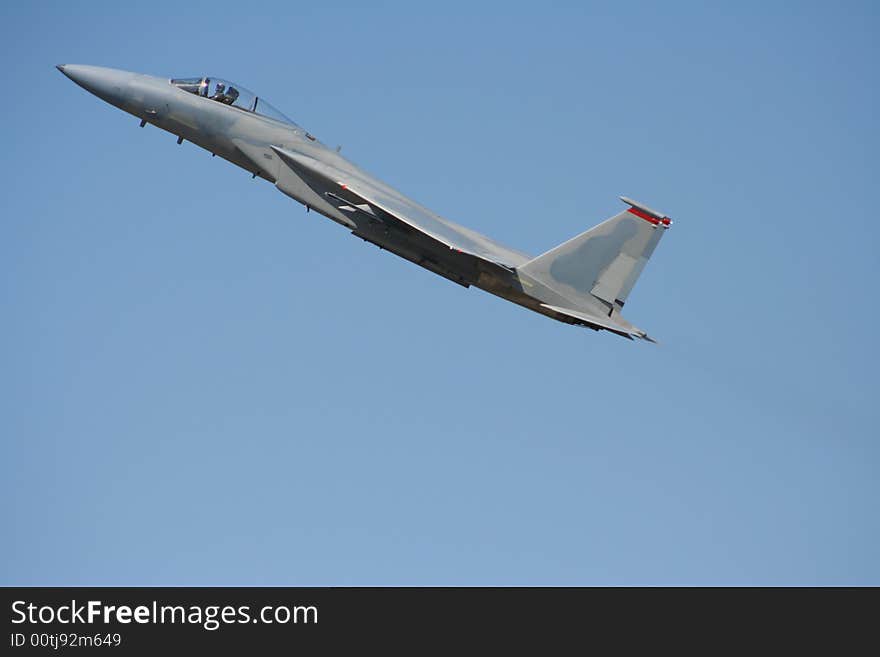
{"points": [[583, 281]]}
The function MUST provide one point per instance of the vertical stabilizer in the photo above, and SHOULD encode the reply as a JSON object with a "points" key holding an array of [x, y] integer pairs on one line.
{"points": [[604, 262]]}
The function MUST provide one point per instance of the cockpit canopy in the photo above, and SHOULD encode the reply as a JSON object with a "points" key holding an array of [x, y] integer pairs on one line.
{"points": [[229, 93]]}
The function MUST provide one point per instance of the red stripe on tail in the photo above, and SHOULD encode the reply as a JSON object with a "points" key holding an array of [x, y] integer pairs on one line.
{"points": [[649, 218]]}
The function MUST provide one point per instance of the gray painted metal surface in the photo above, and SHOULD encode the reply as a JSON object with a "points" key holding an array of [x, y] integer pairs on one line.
{"points": [[584, 281]]}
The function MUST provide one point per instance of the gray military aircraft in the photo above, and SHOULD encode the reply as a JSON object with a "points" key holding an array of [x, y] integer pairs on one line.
{"points": [[584, 281]]}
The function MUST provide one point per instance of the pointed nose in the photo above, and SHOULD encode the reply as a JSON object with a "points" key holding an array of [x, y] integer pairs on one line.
{"points": [[108, 84]]}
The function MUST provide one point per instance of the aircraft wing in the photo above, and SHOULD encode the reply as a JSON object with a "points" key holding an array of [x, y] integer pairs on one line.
{"points": [[383, 203]]}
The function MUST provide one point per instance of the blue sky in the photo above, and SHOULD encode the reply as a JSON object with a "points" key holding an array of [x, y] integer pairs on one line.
{"points": [[204, 385]]}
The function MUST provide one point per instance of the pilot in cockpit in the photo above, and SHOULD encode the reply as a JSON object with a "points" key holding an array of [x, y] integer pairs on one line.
{"points": [[219, 93], [225, 95]]}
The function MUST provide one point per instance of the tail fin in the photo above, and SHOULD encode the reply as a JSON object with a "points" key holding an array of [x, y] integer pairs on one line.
{"points": [[604, 262]]}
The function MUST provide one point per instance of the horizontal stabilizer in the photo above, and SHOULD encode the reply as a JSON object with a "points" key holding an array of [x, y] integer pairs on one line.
{"points": [[626, 329]]}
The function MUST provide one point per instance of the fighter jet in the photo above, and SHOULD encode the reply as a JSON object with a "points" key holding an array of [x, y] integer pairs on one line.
{"points": [[584, 281]]}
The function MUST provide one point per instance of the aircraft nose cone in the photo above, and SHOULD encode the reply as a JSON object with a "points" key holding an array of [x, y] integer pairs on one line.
{"points": [[106, 83]]}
